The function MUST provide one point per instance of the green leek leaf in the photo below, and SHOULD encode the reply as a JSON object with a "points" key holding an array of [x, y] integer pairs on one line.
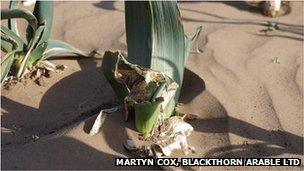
{"points": [[8, 38], [156, 38], [59, 48], [6, 46], [20, 13], [6, 64], [146, 116], [43, 11], [12, 23], [32, 45], [37, 54]]}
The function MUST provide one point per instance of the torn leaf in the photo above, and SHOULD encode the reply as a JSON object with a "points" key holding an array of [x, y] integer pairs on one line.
{"points": [[147, 93]]}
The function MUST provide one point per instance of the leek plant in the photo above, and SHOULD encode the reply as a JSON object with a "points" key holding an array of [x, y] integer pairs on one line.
{"points": [[23, 55], [148, 84]]}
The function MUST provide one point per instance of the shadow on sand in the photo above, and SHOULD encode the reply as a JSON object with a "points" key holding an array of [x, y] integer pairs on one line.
{"points": [[245, 6], [298, 30], [59, 105], [57, 153], [107, 5], [272, 142], [68, 153]]}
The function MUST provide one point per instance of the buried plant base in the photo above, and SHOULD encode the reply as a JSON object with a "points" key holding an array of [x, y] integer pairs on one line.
{"points": [[169, 136], [37, 74], [149, 86], [147, 93], [150, 95]]}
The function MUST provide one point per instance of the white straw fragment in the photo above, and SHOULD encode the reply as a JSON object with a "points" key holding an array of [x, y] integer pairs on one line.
{"points": [[277, 5], [100, 120], [28, 2]]}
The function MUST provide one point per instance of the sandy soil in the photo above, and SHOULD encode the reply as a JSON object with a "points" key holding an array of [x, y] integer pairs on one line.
{"points": [[248, 106]]}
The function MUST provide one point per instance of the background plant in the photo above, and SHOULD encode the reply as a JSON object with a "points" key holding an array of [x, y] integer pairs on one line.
{"points": [[22, 55]]}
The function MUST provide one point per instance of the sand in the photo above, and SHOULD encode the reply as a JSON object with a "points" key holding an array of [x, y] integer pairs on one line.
{"points": [[247, 105]]}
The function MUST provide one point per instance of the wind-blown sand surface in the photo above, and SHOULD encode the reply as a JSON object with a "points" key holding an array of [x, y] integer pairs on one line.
{"points": [[248, 106]]}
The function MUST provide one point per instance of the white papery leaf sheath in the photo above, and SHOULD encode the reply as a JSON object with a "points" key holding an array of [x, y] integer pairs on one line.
{"points": [[100, 120]]}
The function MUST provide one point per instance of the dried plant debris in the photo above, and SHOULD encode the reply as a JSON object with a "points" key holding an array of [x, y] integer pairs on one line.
{"points": [[150, 95], [95, 54], [168, 137], [100, 119], [276, 8], [140, 150], [172, 135], [38, 73], [276, 60], [273, 8], [35, 137]]}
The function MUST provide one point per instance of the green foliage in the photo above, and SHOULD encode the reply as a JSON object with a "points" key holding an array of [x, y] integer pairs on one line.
{"points": [[156, 40], [150, 94], [22, 55]]}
